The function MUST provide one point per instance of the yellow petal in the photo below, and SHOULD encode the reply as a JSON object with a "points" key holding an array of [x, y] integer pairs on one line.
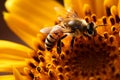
{"points": [[78, 6], [8, 48], [108, 4], [119, 8], [25, 30], [39, 12], [87, 10], [10, 57], [99, 8], [17, 74], [7, 65], [7, 77], [12, 54], [114, 10], [68, 5], [26, 18], [60, 11]]}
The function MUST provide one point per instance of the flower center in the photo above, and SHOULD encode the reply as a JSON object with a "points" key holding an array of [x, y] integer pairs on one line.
{"points": [[92, 57]]}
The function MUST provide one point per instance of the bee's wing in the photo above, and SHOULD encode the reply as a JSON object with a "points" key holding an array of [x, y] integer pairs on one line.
{"points": [[46, 30]]}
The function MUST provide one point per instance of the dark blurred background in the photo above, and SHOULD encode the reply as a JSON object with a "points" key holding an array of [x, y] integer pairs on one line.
{"points": [[5, 32]]}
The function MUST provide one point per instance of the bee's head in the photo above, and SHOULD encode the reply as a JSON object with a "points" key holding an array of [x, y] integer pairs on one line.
{"points": [[91, 28]]}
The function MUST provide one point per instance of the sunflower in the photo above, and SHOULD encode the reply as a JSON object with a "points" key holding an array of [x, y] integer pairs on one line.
{"points": [[91, 58]]}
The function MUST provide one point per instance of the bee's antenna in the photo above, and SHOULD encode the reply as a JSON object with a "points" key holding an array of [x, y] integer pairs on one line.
{"points": [[100, 25]]}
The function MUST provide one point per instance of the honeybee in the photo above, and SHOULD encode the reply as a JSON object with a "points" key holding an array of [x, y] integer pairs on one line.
{"points": [[70, 26]]}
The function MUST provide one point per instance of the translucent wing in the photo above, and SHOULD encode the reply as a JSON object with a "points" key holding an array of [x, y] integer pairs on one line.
{"points": [[46, 30]]}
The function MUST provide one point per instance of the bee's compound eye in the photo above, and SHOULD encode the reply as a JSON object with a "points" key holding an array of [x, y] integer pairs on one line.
{"points": [[91, 24], [90, 28], [90, 32]]}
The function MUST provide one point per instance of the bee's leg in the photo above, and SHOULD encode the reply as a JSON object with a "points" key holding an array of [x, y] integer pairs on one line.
{"points": [[86, 35], [59, 44], [95, 33], [72, 42]]}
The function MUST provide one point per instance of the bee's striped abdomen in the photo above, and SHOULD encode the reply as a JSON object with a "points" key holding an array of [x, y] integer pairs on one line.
{"points": [[50, 42]]}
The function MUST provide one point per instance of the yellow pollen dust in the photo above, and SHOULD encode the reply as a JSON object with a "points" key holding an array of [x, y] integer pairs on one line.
{"points": [[92, 58]]}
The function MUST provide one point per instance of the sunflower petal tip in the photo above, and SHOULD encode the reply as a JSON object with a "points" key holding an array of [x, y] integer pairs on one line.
{"points": [[8, 3], [5, 15]]}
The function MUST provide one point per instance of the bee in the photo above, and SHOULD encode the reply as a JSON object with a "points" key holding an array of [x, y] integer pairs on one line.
{"points": [[69, 26]]}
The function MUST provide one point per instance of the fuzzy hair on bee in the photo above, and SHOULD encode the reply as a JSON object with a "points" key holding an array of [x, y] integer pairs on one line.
{"points": [[69, 26]]}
